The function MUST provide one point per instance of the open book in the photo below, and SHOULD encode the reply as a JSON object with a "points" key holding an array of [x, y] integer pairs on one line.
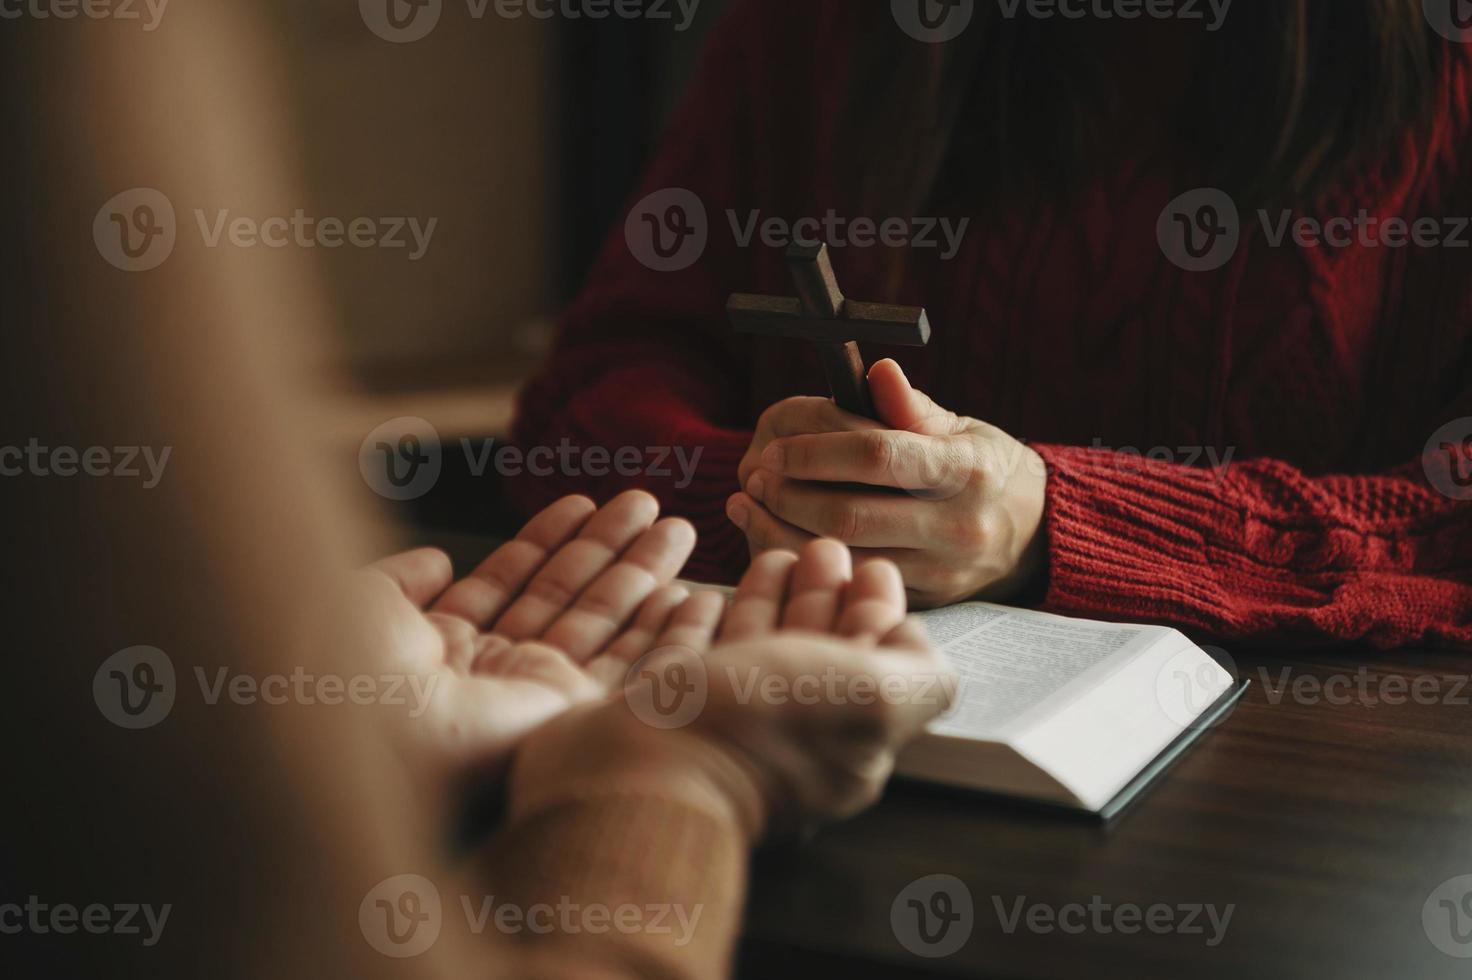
{"points": [[1071, 712]]}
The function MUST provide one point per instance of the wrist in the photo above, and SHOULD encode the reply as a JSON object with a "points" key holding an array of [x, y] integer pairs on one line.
{"points": [[605, 751]]}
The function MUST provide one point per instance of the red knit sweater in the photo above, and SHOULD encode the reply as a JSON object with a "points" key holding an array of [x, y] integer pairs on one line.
{"points": [[1316, 375]]}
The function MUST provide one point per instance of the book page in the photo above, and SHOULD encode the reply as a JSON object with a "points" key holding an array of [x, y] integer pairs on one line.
{"points": [[1013, 662]]}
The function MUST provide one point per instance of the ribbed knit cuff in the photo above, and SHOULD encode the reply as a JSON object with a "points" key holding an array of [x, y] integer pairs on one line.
{"points": [[682, 869], [1127, 538]]}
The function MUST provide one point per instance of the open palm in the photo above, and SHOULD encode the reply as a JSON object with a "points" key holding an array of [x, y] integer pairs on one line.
{"points": [[552, 619]]}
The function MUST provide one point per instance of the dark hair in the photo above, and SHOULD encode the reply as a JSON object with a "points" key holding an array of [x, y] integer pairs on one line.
{"points": [[1282, 101]]}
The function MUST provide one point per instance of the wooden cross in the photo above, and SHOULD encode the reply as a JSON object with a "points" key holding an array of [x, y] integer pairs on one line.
{"points": [[820, 313]]}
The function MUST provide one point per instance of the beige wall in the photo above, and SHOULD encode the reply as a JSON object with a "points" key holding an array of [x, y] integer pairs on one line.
{"points": [[454, 127]]}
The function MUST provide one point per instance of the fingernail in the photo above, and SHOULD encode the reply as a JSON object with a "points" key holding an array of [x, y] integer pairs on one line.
{"points": [[756, 486], [774, 456], [737, 512]]}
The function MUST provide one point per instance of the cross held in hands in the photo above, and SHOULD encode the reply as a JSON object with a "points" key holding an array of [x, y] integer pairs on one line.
{"points": [[820, 313]]}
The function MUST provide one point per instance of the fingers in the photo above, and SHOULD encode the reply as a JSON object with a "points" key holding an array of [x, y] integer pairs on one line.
{"points": [[874, 603], [859, 518], [805, 414], [421, 574], [609, 667], [763, 531], [558, 583], [693, 625], [908, 637], [901, 406], [876, 458], [481, 597], [814, 593], [756, 609], [606, 605]]}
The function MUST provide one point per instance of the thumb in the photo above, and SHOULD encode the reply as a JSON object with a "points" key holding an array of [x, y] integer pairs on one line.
{"points": [[901, 406]]}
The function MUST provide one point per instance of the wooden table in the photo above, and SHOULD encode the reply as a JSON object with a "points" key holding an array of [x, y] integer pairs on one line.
{"points": [[1326, 823]]}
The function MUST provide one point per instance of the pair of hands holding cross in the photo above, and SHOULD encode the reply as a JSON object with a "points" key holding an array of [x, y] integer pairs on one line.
{"points": [[537, 662], [955, 503]]}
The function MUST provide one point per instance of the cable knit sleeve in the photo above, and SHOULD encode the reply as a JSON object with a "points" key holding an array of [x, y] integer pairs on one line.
{"points": [[1261, 550]]}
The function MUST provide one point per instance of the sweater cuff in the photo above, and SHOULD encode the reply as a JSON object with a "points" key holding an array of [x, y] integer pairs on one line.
{"points": [[1126, 538], [637, 886]]}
